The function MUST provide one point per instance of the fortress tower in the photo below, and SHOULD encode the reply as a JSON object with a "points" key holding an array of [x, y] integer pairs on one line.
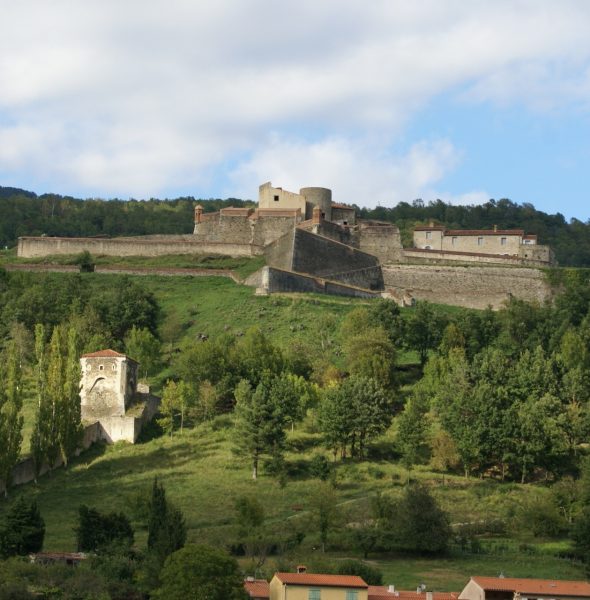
{"points": [[109, 384]]}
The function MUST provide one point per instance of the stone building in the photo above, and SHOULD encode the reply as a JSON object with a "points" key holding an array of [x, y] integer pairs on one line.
{"points": [[488, 242], [110, 394]]}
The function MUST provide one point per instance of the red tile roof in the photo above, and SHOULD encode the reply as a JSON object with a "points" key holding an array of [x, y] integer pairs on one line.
{"points": [[258, 588], [543, 587], [349, 581], [379, 592], [104, 354], [484, 232]]}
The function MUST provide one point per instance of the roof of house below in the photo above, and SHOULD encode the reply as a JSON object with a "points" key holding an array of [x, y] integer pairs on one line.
{"points": [[543, 587], [349, 581]]}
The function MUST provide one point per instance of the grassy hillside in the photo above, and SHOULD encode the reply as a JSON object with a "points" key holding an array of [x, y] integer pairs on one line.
{"points": [[203, 477]]}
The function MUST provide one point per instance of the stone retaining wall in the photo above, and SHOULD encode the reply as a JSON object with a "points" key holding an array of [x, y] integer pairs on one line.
{"points": [[469, 286]]}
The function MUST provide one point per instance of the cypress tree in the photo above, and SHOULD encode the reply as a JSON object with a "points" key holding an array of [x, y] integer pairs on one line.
{"points": [[40, 435], [11, 422]]}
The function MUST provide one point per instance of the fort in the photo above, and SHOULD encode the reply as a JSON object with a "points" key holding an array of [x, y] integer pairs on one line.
{"points": [[311, 243]]}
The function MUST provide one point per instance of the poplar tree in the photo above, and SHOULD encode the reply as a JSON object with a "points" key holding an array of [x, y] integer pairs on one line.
{"points": [[11, 422], [40, 435], [68, 421]]}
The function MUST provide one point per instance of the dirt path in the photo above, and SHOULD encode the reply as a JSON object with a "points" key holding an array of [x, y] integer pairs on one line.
{"points": [[163, 271]]}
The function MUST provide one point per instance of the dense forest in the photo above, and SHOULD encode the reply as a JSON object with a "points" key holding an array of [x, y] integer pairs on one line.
{"points": [[25, 213]]}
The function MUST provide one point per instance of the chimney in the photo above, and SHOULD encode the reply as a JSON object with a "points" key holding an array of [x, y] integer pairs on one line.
{"points": [[431, 223], [495, 228], [429, 596], [301, 569], [316, 216], [391, 588]]}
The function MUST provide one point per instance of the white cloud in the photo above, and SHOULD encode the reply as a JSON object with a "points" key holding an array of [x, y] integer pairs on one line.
{"points": [[356, 171], [137, 97]]}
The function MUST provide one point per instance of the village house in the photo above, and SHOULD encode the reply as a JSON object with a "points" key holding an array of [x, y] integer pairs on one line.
{"points": [[311, 586], [510, 588]]}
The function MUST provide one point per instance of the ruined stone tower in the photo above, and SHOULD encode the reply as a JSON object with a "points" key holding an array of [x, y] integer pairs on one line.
{"points": [[109, 383]]}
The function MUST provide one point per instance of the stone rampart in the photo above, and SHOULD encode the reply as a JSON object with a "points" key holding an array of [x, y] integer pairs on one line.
{"points": [[322, 257], [437, 257], [274, 280], [469, 286], [32, 247], [382, 241]]}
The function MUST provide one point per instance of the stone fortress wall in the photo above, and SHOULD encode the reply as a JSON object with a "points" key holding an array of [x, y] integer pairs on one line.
{"points": [[307, 234]]}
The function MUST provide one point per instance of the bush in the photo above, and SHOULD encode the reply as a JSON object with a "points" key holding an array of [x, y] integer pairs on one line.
{"points": [[365, 571], [320, 467]]}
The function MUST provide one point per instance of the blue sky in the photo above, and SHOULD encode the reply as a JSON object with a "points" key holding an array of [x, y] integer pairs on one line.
{"points": [[382, 101]]}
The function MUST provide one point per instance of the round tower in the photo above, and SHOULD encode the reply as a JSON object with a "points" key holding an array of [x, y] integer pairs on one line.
{"points": [[318, 196]]}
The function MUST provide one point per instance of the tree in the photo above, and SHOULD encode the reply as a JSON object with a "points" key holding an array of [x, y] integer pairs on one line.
{"points": [[96, 532], [353, 413], [11, 422], [423, 330], [145, 348], [415, 522], [200, 573], [412, 430], [68, 414], [176, 400], [41, 437], [254, 354], [23, 529], [324, 511], [259, 421], [250, 528], [371, 354], [166, 526]]}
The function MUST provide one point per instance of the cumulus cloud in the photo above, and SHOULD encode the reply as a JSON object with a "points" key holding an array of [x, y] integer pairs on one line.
{"points": [[361, 173], [137, 98]]}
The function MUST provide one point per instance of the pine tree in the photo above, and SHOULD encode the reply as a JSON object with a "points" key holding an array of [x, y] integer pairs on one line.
{"points": [[23, 530], [260, 422], [11, 422]]}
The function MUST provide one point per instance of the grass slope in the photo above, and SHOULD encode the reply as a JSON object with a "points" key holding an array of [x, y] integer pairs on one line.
{"points": [[203, 477]]}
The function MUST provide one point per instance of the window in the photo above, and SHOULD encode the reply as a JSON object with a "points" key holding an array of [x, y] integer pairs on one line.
{"points": [[427, 248], [315, 595], [114, 367], [480, 241], [276, 198], [352, 595], [503, 241], [453, 240], [429, 235], [101, 368]]}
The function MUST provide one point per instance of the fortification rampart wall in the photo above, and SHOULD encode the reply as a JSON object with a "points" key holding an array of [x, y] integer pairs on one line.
{"points": [[437, 257], [382, 241], [31, 247], [274, 280], [323, 257], [469, 286]]}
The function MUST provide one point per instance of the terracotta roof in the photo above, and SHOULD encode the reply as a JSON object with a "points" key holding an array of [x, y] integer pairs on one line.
{"points": [[105, 354], [543, 587], [484, 232], [380, 592], [258, 588], [349, 581]]}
